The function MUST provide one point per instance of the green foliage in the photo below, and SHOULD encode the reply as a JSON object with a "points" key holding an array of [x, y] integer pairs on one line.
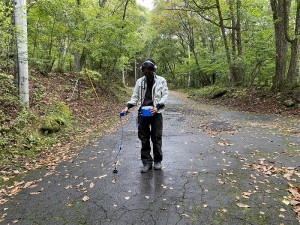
{"points": [[66, 36], [171, 31], [91, 73], [187, 44], [6, 36]]}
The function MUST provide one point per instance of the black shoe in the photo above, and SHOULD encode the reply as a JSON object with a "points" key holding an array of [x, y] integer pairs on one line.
{"points": [[146, 168], [157, 165]]}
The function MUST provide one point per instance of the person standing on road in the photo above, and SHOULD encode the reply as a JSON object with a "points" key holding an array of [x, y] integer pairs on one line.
{"points": [[150, 93]]}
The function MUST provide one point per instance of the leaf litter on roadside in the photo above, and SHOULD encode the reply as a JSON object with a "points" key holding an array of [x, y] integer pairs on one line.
{"points": [[295, 199], [289, 173], [17, 186]]}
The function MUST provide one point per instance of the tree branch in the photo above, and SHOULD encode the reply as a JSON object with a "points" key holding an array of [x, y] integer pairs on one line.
{"points": [[202, 16]]}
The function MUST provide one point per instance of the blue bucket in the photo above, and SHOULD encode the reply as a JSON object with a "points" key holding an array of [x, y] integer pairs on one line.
{"points": [[146, 111]]}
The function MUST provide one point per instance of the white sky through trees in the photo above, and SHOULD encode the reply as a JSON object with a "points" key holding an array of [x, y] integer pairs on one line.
{"points": [[146, 3]]}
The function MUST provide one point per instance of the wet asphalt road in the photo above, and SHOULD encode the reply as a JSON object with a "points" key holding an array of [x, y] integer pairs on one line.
{"points": [[208, 175]]}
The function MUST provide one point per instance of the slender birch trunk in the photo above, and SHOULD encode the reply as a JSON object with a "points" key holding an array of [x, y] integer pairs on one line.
{"points": [[21, 25]]}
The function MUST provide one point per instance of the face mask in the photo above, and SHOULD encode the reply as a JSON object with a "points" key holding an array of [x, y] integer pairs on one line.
{"points": [[149, 75]]}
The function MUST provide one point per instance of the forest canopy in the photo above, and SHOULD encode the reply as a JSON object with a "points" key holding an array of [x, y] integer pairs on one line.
{"points": [[194, 42]]}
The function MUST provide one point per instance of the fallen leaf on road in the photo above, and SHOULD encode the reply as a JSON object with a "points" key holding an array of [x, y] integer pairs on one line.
{"points": [[241, 205], [103, 176], [220, 181], [37, 192], [285, 201], [85, 198], [246, 194], [68, 187], [224, 143], [92, 185], [295, 192], [295, 202], [2, 201]]}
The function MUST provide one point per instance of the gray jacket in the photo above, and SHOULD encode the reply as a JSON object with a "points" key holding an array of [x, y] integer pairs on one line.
{"points": [[160, 92]]}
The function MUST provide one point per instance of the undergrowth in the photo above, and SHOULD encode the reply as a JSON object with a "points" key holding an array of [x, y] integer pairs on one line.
{"points": [[25, 134]]}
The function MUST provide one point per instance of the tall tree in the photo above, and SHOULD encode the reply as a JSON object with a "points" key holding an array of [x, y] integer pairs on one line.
{"points": [[21, 25], [291, 78], [214, 13], [285, 77], [236, 42], [278, 8]]}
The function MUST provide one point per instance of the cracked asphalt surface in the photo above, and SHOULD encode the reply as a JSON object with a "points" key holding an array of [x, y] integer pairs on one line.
{"points": [[208, 153]]}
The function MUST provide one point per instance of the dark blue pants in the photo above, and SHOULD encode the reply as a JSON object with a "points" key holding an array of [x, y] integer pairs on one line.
{"points": [[151, 127]]}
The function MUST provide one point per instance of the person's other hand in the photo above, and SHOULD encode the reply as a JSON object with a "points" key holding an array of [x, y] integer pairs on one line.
{"points": [[154, 110], [125, 110]]}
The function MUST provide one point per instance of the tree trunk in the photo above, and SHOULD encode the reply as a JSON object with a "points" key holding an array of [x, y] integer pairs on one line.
{"points": [[77, 61], [233, 33], [82, 59], [21, 24], [235, 75], [125, 9], [228, 56], [238, 28], [281, 44], [239, 39], [291, 79], [236, 44], [50, 61]]}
